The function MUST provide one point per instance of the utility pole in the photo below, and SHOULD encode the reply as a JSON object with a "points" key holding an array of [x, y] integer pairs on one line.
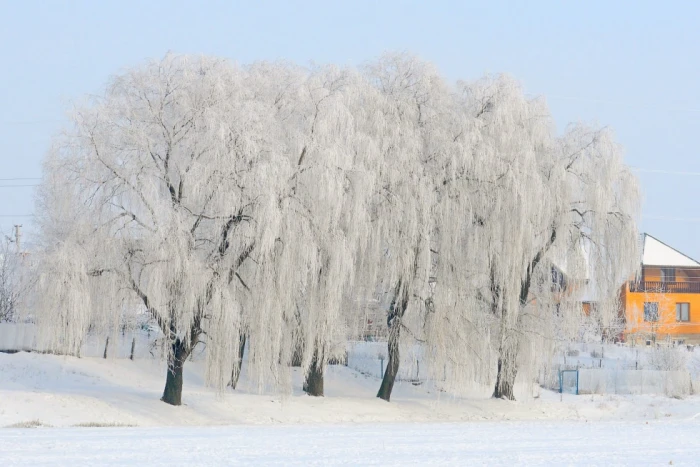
{"points": [[18, 237]]}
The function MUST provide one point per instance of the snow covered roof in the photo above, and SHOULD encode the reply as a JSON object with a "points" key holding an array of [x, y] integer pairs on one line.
{"points": [[657, 253]]}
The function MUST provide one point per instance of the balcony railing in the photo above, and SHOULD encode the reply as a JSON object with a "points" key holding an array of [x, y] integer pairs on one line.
{"points": [[664, 287]]}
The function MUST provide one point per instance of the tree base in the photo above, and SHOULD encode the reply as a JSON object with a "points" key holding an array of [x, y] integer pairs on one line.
{"points": [[392, 369], [313, 383], [505, 380], [172, 394]]}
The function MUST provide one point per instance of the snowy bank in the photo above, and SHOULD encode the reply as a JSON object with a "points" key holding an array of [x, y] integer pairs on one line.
{"points": [[66, 391]]}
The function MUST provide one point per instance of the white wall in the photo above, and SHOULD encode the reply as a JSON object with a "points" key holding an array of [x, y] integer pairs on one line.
{"points": [[612, 381]]}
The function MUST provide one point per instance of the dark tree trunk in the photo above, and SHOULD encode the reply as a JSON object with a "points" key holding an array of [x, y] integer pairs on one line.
{"points": [[508, 352], [298, 337], [505, 380], [392, 366], [172, 394], [313, 382], [396, 312], [236, 372], [507, 369]]}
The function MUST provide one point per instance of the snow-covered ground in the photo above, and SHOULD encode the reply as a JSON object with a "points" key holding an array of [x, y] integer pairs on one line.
{"points": [[63, 395], [66, 391], [485, 443]]}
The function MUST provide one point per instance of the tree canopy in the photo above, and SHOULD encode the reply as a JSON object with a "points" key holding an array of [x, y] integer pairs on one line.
{"points": [[266, 204]]}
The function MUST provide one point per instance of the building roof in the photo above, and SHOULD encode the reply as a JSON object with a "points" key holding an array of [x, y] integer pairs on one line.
{"points": [[657, 253]]}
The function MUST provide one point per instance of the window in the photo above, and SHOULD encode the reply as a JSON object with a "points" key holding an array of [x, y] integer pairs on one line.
{"points": [[668, 274], [651, 311], [682, 311]]}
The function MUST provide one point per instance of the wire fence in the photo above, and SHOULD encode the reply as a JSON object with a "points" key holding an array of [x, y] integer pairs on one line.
{"points": [[371, 359], [139, 343], [576, 373]]}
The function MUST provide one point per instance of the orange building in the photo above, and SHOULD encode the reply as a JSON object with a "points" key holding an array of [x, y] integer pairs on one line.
{"points": [[663, 302]]}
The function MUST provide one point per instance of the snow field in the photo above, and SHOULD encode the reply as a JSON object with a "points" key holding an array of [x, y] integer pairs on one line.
{"points": [[487, 443]]}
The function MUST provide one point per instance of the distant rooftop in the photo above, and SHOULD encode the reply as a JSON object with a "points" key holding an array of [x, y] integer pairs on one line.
{"points": [[657, 253]]}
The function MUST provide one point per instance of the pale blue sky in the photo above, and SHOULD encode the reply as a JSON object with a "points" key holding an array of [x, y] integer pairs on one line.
{"points": [[634, 66]]}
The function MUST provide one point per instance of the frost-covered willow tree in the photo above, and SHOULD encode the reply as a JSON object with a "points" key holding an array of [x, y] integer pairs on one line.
{"points": [[423, 242], [154, 199], [323, 222], [402, 97], [557, 205]]}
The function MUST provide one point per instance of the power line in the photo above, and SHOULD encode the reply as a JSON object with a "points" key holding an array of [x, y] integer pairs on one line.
{"points": [[29, 122], [669, 218], [18, 186], [19, 178], [663, 171]]}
